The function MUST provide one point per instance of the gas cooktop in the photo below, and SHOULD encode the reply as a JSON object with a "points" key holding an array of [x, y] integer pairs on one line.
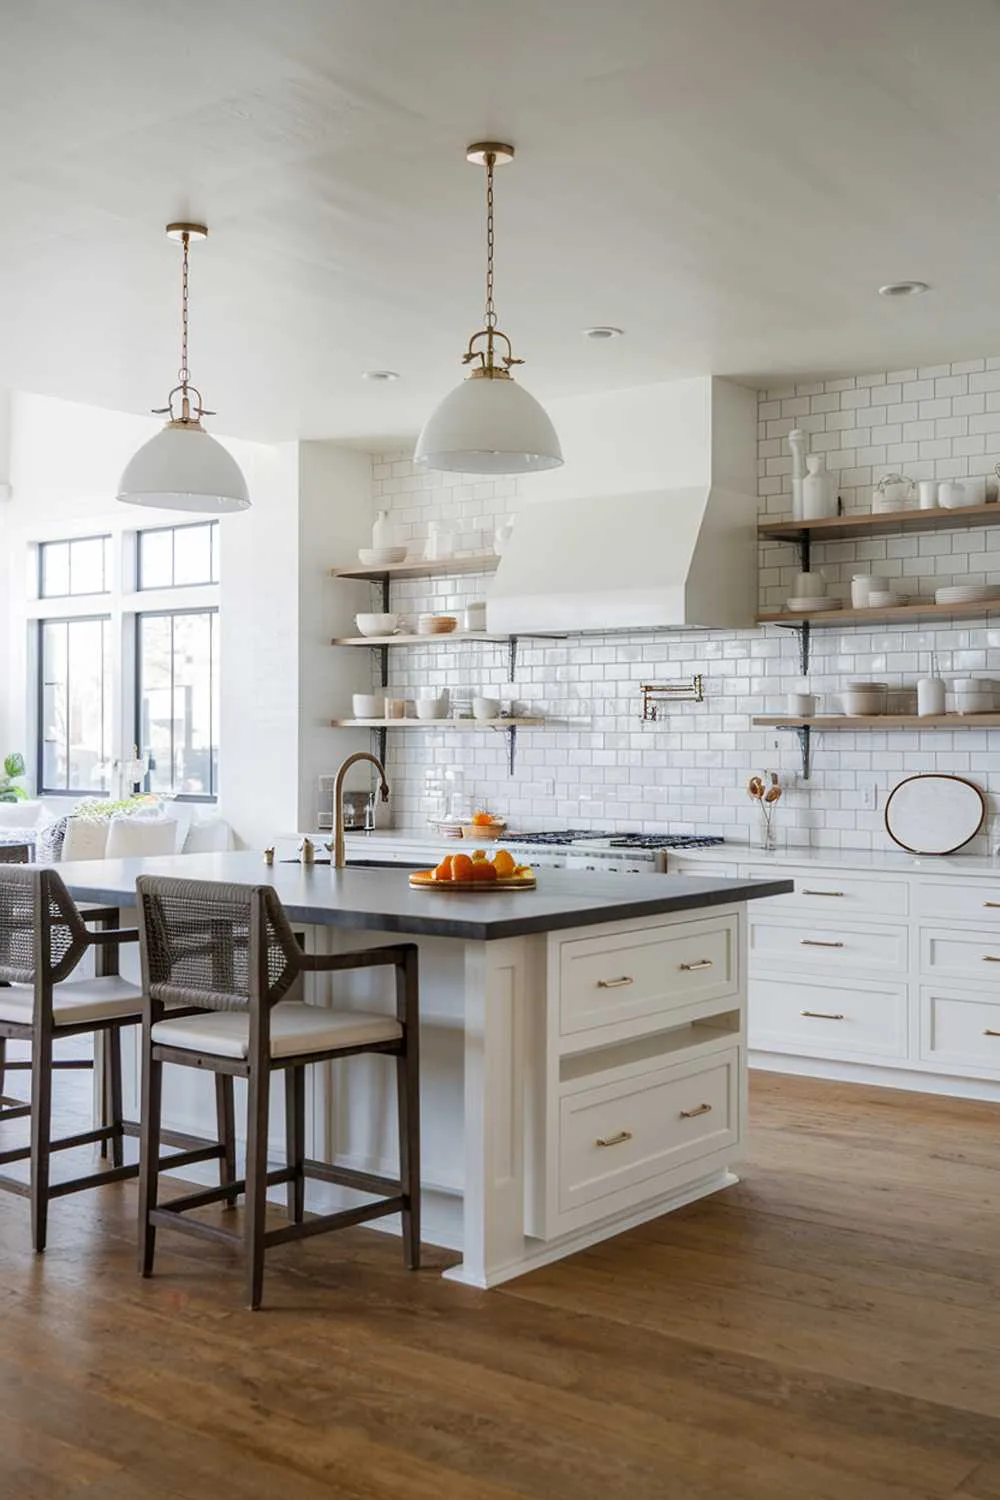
{"points": [[565, 836]]}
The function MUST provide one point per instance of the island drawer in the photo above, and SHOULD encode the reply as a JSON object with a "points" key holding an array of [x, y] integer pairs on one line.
{"points": [[960, 1031], [961, 953], [828, 947], [958, 900], [616, 1136], [834, 894], [608, 981], [827, 1018]]}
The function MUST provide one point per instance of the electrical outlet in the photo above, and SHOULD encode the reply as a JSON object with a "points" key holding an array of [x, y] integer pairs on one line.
{"points": [[869, 796]]}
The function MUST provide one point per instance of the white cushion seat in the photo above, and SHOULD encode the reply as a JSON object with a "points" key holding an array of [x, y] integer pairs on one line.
{"points": [[77, 1001], [295, 1028]]}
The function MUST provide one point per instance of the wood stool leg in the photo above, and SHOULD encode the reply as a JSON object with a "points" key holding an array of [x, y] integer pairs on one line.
{"points": [[225, 1121], [256, 1182], [116, 1111], [295, 1140], [41, 1131], [408, 1101], [149, 1155]]}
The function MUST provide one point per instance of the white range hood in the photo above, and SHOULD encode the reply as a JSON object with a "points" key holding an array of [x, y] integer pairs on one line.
{"points": [[588, 555]]}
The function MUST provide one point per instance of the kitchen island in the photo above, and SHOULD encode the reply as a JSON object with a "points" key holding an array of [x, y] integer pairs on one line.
{"points": [[583, 1045]]}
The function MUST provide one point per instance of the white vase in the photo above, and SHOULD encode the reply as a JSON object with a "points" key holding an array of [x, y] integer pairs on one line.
{"points": [[502, 536], [819, 489], [798, 442], [930, 697], [381, 530]]}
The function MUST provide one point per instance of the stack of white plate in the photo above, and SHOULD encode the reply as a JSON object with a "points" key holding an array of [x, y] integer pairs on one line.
{"points": [[886, 599], [967, 593], [801, 606]]}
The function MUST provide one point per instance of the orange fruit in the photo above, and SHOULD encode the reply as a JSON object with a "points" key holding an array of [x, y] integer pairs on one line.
{"points": [[443, 870], [504, 863], [461, 867], [483, 870], [478, 855], [482, 819]]}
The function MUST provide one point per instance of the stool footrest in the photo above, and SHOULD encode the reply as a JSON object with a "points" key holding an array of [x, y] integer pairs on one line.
{"points": [[342, 1220], [94, 1179], [364, 1182]]}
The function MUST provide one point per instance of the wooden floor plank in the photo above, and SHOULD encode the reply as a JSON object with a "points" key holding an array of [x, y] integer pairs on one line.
{"points": [[827, 1330]]}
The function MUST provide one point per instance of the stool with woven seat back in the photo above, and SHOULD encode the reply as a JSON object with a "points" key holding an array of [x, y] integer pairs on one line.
{"points": [[223, 958]]}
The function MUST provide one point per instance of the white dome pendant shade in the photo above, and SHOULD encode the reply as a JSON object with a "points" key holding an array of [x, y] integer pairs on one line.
{"points": [[182, 467], [489, 425]]}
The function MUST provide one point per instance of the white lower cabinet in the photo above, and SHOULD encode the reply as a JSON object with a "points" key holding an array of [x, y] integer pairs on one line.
{"points": [[826, 948], [960, 1031], [822, 1017]]}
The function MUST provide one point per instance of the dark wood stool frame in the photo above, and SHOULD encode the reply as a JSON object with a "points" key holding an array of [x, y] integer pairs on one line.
{"points": [[262, 926], [49, 909]]}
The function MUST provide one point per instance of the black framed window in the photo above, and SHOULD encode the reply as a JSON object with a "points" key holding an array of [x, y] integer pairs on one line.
{"points": [[74, 704], [77, 565], [175, 557], [177, 700]]}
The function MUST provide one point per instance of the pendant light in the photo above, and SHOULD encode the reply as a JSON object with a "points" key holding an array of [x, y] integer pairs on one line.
{"points": [[489, 425], [182, 467]]}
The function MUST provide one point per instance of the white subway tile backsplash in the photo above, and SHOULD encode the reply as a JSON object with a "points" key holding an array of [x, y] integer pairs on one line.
{"points": [[599, 765]]}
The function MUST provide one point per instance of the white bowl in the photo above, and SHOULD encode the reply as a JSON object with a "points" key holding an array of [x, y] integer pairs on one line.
{"points": [[380, 557], [377, 624], [486, 708], [430, 708], [368, 705]]}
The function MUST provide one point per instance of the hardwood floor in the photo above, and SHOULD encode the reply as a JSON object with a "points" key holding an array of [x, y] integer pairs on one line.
{"points": [[829, 1328]]}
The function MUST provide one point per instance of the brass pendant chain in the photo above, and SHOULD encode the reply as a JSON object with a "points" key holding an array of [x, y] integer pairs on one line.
{"points": [[184, 374], [491, 315]]}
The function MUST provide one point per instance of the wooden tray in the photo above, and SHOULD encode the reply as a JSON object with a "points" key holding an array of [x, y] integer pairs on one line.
{"points": [[423, 880]]}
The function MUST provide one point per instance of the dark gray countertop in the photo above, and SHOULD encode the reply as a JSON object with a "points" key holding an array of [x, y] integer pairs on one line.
{"points": [[382, 900]]}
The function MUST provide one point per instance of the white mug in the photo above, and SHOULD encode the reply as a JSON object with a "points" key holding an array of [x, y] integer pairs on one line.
{"points": [[928, 492], [801, 705], [951, 494]]}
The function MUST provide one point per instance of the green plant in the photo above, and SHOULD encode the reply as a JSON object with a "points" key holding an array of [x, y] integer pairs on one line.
{"points": [[97, 807], [13, 769]]}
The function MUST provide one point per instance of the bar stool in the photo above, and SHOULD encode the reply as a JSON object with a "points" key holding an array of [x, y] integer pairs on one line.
{"points": [[228, 954]]}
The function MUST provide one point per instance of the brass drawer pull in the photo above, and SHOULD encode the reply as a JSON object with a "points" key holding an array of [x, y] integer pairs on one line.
{"points": [[992, 903], [823, 1015], [701, 1109], [820, 893], [991, 958], [701, 963], [615, 984], [614, 1140], [988, 1032], [818, 943]]}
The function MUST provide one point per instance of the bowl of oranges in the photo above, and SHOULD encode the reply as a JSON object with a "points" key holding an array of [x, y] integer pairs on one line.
{"points": [[476, 872], [484, 826]]}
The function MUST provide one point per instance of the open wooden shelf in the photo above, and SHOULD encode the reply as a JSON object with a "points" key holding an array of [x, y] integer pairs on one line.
{"points": [[422, 567], [437, 639], [836, 528], [881, 721], [897, 615], [493, 725]]}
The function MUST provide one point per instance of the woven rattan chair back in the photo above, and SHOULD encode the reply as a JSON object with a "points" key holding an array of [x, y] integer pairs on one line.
{"points": [[215, 946], [42, 935]]}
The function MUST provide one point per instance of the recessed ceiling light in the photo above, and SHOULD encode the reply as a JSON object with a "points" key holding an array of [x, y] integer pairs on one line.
{"points": [[379, 375], [603, 331], [903, 289]]}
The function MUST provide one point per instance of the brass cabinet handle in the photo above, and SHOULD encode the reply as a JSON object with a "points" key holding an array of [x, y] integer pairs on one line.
{"points": [[992, 903], [818, 943], [988, 1032], [823, 1015], [615, 984], [700, 963], [820, 893], [613, 1140], [991, 958], [700, 1109]]}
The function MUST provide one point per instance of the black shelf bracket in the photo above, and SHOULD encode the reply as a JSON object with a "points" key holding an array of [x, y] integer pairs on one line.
{"points": [[803, 629], [512, 658], [511, 749], [803, 733]]}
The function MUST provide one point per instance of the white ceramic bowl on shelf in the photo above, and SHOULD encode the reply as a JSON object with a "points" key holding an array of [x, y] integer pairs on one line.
{"points": [[377, 624], [368, 705], [486, 708], [430, 708], [381, 557]]}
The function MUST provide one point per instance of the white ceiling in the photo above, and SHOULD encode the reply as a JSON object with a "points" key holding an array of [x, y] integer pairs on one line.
{"points": [[728, 180]]}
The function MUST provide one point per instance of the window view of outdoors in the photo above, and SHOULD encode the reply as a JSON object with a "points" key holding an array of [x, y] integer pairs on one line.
{"points": [[79, 566], [177, 701], [75, 705], [179, 556]]}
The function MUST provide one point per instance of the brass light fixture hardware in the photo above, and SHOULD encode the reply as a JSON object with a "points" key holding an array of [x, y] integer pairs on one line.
{"points": [[993, 904], [615, 984], [657, 695], [823, 1015], [614, 1140], [692, 1114]]}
